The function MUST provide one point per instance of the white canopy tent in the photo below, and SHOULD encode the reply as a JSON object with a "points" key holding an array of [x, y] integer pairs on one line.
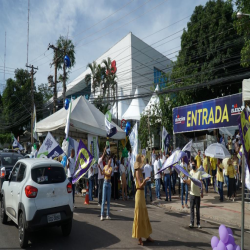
{"points": [[246, 90], [85, 118], [135, 108], [122, 107], [153, 102]]}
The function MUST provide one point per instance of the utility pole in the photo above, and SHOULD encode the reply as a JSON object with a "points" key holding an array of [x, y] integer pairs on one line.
{"points": [[150, 136], [28, 32], [64, 77], [55, 82], [32, 72], [4, 62], [117, 119]]}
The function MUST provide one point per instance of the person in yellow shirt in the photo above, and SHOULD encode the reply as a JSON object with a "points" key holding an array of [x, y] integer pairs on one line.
{"points": [[213, 162], [198, 159], [231, 177], [206, 166], [220, 178]]}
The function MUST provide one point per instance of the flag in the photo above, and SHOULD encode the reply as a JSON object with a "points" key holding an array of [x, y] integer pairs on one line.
{"points": [[93, 146], [188, 146], [133, 139], [34, 123], [110, 128], [73, 144], [165, 139], [107, 148], [244, 129], [50, 148], [173, 159], [84, 161], [16, 144], [181, 171], [68, 121]]}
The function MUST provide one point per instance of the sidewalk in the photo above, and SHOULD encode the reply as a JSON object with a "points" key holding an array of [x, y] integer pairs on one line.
{"points": [[227, 212]]}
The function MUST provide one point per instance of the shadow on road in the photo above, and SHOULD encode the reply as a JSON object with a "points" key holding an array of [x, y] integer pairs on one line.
{"points": [[83, 236]]}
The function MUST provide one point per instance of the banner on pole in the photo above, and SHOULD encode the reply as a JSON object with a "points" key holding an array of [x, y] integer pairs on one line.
{"points": [[16, 144], [50, 148], [84, 161], [93, 146], [211, 114], [165, 139], [244, 128]]}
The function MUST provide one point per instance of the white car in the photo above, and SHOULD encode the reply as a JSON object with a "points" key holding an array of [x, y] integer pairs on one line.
{"points": [[37, 194]]}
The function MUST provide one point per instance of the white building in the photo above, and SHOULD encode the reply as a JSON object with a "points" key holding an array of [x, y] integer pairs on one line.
{"points": [[138, 66]]}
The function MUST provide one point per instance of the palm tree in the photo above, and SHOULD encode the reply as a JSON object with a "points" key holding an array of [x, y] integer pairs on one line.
{"points": [[64, 47], [96, 75], [110, 77]]}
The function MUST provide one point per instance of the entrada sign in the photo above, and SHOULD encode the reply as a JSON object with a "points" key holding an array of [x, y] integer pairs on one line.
{"points": [[211, 114]]}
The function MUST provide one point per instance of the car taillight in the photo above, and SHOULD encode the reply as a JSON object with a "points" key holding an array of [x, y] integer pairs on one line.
{"points": [[31, 192], [69, 187], [2, 172]]}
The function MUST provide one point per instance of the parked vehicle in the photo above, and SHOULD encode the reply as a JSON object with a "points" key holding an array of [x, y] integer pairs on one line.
{"points": [[37, 194], [7, 162]]}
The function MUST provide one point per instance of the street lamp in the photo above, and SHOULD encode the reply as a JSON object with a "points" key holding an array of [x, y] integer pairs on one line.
{"points": [[240, 14]]}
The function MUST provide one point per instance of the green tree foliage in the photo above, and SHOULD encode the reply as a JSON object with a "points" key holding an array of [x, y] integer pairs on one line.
{"points": [[46, 92], [65, 47], [96, 76], [242, 26], [102, 106], [16, 103], [210, 49]]}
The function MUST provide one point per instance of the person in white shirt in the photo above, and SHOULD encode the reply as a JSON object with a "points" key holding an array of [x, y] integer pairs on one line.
{"points": [[153, 157], [167, 183], [157, 177], [91, 182], [183, 184], [147, 172], [100, 177], [71, 170], [123, 172]]}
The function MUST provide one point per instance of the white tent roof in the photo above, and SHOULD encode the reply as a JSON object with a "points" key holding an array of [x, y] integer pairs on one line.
{"points": [[153, 102], [85, 118], [246, 90], [135, 108], [122, 107]]}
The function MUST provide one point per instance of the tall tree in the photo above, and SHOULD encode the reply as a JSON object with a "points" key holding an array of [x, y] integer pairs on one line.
{"points": [[242, 26], [65, 47], [96, 76], [46, 92], [210, 49], [16, 103]]}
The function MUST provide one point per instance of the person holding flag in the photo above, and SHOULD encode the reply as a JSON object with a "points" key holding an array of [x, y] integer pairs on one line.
{"points": [[183, 184], [195, 194]]}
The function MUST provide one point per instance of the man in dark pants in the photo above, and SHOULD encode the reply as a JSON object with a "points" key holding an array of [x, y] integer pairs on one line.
{"points": [[71, 169], [195, 195], [100, 178]]}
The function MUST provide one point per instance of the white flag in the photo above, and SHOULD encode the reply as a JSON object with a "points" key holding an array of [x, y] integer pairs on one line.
{"points": [[165, 139], [68, 121], [16, 144], [34, 123], [188, 146], [133, 139], [50, 148]]}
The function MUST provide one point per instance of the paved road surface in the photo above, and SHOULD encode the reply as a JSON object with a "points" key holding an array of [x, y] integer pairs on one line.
{"points": [[170, 231]]}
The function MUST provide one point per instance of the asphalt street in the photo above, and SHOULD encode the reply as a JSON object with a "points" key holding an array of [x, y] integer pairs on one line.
{"points": [[170, 231]]}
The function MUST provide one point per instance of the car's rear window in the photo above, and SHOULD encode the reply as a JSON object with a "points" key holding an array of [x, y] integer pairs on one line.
{"points": [[48, 175], [10, 160]]}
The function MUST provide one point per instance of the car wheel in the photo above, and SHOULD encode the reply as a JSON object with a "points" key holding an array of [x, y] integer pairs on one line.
{"points": [[66, 228], [23, 233], [4, 216]]}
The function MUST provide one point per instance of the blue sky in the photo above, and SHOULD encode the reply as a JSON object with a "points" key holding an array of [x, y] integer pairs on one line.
{"points": [[81, 21]]}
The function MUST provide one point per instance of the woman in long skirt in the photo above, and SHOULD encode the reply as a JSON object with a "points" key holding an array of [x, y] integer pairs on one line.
{"points": [[231, 174], [141, 226]]}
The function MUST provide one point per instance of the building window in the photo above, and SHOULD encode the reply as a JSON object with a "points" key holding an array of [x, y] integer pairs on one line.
{"points": [[159, 78]]}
